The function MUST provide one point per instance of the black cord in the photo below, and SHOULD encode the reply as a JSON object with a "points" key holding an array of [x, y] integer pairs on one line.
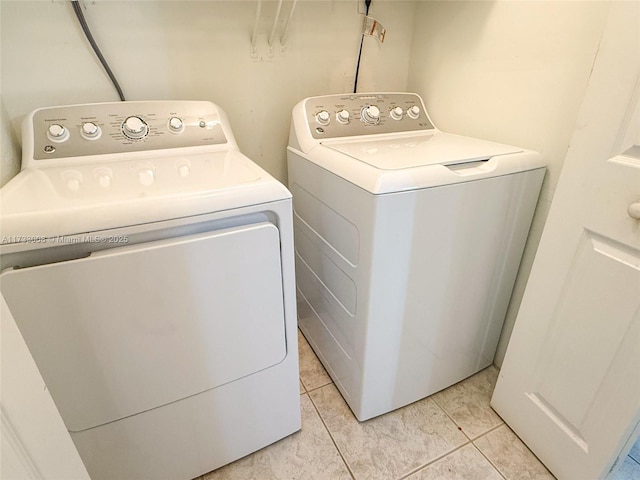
{"points": [[87, 33], [367, 4]]}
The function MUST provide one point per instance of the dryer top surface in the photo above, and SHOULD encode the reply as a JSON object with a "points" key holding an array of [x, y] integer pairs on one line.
{"points": [[103, 166], [61, 200]]}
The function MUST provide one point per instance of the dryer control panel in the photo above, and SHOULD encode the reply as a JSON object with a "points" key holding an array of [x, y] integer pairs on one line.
{"points": [[57, 133], [334, 116]]}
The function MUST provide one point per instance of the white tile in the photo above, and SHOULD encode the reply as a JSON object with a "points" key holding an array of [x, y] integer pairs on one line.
{"points": [[466, 463], [467, 403], [635, 451], [510, 456], [306, 455], [628, 469], [391, 445], [312, 373]]}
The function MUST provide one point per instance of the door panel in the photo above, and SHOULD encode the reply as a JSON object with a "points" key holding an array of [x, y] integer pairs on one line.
{"points": [[133, 328], [569, 385], [591, 306]]}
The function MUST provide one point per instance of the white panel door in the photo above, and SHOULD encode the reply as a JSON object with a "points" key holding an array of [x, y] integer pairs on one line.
{"points": [[133, 328], [570, 382]]}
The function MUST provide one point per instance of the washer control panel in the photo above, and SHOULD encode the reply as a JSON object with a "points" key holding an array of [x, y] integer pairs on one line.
{"points": [[332, 116], [106, 128]]}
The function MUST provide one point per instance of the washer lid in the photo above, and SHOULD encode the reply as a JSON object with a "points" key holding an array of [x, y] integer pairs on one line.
{"points": [[384, 164], [80, 198], [434, 147]]}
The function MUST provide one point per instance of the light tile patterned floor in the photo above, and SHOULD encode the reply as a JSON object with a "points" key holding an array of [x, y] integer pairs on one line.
{"points": [[452, 435]]}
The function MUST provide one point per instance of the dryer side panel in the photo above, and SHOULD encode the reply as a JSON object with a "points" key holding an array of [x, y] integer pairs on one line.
{"points": [[133, 328]]}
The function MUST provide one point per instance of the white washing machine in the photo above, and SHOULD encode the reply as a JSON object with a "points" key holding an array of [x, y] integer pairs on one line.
{"points": [[408, 241], [149, 267]]}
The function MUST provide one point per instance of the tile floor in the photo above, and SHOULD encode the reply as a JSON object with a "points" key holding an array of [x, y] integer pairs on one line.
{"points": [[629, 467], [453, 434]]}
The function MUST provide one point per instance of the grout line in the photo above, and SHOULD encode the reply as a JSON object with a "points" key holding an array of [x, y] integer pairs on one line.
{"points": [[472, 439], [485, 456], [416, 470], [492, 429], [451, 418], [316, 388], [344, 460], [487, 459]]}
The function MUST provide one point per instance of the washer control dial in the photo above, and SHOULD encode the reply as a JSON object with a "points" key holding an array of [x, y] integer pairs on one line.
{"points": [[176, 125], [396, 113], [370, 115], [57, 133], [413, 112], [343, 116], [135, 128], [323, 117], [90, 131]]}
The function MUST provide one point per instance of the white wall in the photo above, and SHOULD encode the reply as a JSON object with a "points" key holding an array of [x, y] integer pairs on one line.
{"points": [[512, 72], [200, 50], [9, 148]]}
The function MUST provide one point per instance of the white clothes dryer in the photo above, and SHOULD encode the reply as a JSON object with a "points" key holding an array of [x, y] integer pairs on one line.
{"points": [[149, 267], [408, 241]]}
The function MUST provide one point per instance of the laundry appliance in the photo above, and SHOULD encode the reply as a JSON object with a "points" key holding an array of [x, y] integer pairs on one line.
{"points": [[408, 241], [149, 266]]}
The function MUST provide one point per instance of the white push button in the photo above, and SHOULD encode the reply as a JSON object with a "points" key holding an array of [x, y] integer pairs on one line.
{"points": [[73, 184], [146, 177], [104, 181]]}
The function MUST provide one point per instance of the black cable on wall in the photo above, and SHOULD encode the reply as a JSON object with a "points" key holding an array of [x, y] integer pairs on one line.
{"points": [[87, 33], [367, 4]]}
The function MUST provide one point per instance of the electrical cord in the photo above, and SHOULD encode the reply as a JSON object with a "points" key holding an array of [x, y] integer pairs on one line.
{"points": [[87, 33], [367, 4]]}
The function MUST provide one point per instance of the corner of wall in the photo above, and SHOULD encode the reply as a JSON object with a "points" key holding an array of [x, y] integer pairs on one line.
{"points": [[9, 148]]}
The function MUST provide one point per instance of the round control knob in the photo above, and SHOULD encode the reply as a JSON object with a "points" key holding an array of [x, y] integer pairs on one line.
{"points": [[396, 113], [343, 117], [414, 112], [176, 125], [135, 128], [323, 117], [146, 177], [57, 133], [90, 131], [370, 114]]}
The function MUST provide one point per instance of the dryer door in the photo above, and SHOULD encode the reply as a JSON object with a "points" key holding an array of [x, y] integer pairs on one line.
{"points": [[136, 327]]}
